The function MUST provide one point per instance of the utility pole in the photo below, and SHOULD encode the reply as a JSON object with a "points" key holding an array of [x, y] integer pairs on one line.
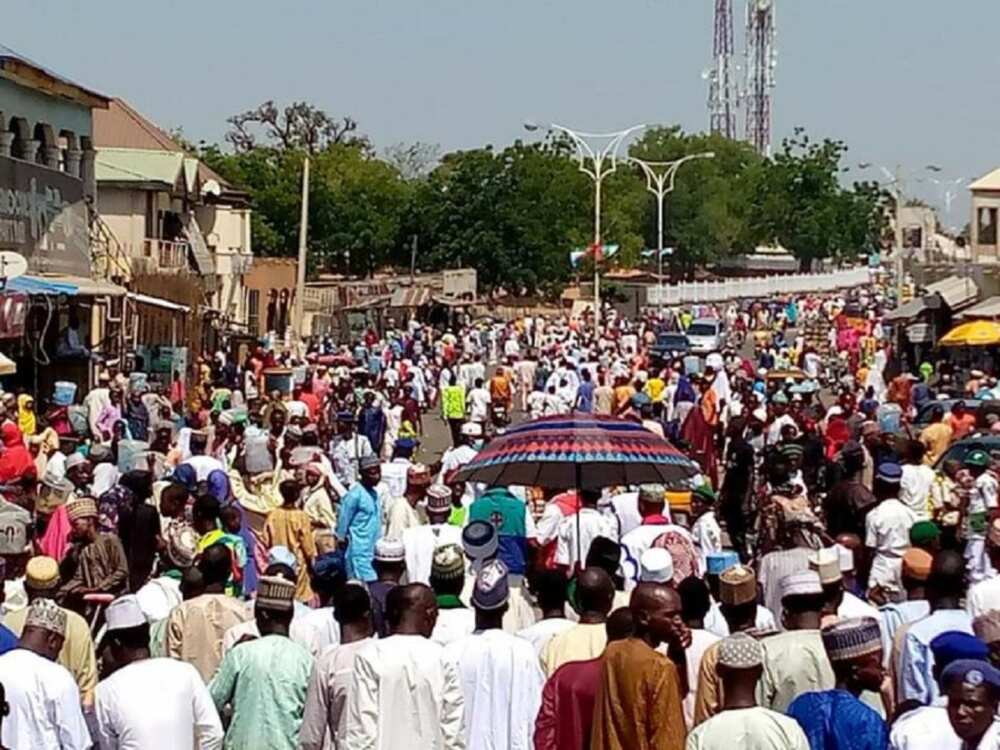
{"points": [[300, 281], [413, 261]]}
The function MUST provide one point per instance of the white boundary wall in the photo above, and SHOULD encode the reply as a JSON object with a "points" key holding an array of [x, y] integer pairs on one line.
{"points": [[756, 287]]}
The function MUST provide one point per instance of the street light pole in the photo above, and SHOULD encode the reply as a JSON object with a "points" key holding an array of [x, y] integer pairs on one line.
{"points": [[660, 177], [602, 162]]}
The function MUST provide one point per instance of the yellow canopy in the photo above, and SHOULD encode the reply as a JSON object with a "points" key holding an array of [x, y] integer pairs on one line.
{"points": [[975, 333]]}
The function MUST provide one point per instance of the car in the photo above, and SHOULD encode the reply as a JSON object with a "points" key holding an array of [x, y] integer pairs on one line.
{"points": [[706, 335], [669, 345], [958, 451]]}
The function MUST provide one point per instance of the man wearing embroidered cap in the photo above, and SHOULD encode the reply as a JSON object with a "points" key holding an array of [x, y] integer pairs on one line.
{"points": [[360, 520], [43, 698], [454, 620], [407, 511], [795, 660], [264, 680], [836, 719], [650, 502], [389, 563], [421, 541], [455, 458], [100, 565], [346, 451], [184, 709], [705, 531], [717, 564], [887, 532], [501, 678], [741, 723], [41, 581]]}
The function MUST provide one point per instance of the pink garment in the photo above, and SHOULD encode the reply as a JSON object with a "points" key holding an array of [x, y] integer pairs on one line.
{"points": [[55, 540]]}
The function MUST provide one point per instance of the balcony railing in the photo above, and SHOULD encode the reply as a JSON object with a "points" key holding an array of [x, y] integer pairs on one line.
{"points": [[167, 255]]}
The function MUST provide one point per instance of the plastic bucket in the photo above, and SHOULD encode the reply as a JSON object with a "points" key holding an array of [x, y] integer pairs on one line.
{"points": [[64, 393], [131, 454]]}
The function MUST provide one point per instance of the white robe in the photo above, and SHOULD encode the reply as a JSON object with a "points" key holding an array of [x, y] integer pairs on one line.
{"points": [[502, 685], [420, 543], [404, 695]]}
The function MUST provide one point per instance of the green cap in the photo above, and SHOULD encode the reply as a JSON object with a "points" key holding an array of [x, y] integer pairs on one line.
{"points": [[705, 493], [977, 458]]}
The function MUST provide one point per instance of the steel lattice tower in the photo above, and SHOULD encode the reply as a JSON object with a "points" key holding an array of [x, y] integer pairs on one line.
{"points": [[721, 89], [761, 62]]}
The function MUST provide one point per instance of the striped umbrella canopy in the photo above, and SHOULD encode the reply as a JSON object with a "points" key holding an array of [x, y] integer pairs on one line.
{"points": [[578, 451]]}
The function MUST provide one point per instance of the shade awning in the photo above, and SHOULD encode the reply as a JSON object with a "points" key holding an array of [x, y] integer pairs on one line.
{"points": [[7, 366], [913, 308], [165, 304], [956, 291], [410, 297], [988, 308], [71, 286]]}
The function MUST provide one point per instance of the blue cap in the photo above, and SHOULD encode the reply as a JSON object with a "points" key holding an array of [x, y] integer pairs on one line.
{"points": [[955, 645], [889, 472], [974, 672], [720, 562], [329, 565]]}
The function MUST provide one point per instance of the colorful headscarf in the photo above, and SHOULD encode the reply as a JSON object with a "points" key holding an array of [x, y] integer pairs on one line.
{"points": [[26, 417]]}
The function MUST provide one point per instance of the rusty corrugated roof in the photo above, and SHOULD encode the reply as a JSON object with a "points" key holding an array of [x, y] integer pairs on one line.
{"points": [[120, 126]]}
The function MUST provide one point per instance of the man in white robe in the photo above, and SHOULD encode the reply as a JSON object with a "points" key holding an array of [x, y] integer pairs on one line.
{"points": [[421, 541], [501, 678], [42, 696], [405, 693]]}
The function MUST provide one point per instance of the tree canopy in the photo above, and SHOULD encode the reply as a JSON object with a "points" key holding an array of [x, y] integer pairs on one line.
{"points": [[516, 213]]}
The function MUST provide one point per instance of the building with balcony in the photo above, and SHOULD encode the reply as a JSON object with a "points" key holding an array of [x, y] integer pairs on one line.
{"points": [[47, 193], [172, 216]]}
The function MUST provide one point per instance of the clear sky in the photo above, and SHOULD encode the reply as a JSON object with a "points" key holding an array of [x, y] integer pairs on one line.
{"points": [[901, 81]]}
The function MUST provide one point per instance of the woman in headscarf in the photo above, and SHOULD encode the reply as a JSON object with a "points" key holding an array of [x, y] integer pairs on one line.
{"points": [[26, 419], [15, 461]]}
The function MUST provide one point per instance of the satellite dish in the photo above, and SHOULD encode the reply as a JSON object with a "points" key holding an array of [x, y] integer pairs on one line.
{"points": [[12, 265]]}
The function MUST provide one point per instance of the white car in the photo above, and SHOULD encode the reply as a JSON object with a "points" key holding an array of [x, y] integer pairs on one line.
{"points": [[706, 335]]}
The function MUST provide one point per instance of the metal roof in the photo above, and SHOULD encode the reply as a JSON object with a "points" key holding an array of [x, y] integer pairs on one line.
{"points": [[26, 72], [988, 308], [71, 286], [956, 291], [411, 296], [913, 308], [139, 165]]}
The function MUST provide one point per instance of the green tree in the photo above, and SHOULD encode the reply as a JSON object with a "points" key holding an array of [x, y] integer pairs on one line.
{"points": [[800, 203]]}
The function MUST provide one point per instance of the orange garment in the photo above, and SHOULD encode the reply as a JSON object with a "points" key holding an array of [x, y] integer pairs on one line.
{"points": [[623, 397], [292, 528], [500, 389], [961, 426], [710, 407], [638, 700]]}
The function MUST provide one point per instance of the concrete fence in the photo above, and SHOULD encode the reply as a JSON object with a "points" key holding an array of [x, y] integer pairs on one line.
{"points": [[756, 287]]}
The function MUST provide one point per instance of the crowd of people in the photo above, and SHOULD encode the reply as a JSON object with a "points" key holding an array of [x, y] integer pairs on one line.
{"points": [[266, 553]]}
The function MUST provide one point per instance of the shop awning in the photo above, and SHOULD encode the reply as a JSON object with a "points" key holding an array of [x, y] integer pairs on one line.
{"points": [[71, 286], [412, 296], [956, 291], [165, 304], [913, 308], [988, 308], [447, 301]]}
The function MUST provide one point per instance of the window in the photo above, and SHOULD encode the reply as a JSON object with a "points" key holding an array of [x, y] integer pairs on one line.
{"points": [[253, 310], [986, 229]]}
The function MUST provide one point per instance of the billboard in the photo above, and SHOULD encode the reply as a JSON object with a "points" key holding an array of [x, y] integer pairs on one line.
{"points": [[44, 218]]}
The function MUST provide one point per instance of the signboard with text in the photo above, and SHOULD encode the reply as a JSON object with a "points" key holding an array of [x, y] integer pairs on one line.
{"points": [[43, 217]]}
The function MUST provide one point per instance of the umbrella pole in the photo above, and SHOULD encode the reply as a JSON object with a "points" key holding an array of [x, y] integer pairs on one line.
{"points": [[579, 509]]}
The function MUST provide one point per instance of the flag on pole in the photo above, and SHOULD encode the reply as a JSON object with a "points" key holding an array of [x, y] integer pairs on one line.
{"points": [[599, 253]]}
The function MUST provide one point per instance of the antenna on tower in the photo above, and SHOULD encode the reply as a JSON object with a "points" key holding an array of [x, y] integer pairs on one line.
{"points": [[722, 99], [762, 59]]}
